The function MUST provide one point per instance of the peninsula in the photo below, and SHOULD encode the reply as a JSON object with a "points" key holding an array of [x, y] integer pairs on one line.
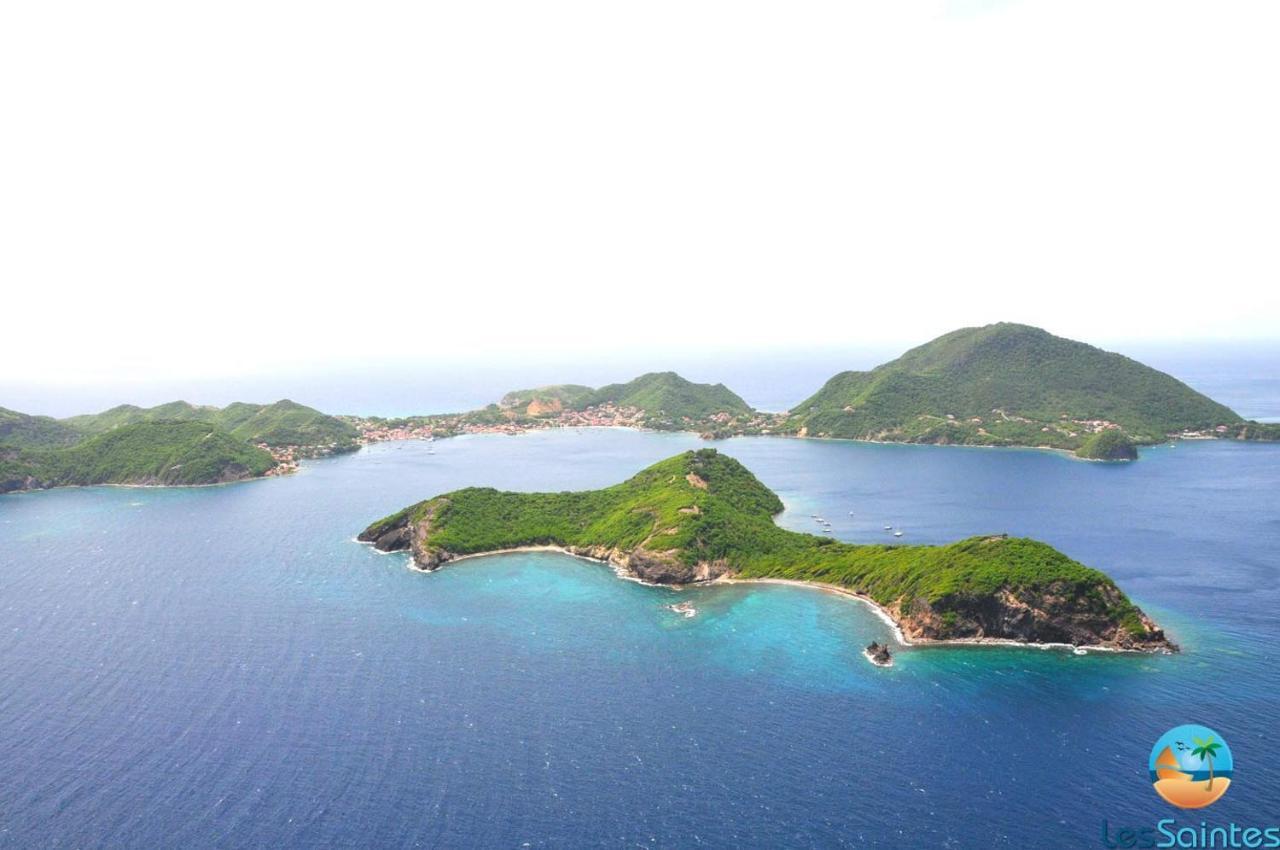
{"points": [[701, 516]]}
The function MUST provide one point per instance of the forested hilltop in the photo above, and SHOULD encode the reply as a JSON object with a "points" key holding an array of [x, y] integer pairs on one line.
{"points": [[701, 516], [1009, 384], [284, 423], [172, 444]]}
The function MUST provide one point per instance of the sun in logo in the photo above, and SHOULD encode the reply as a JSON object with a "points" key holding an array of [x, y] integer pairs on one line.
{"points": [[1191, 766]]}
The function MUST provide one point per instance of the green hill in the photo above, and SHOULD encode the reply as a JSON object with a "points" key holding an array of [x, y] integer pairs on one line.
{"points": [[284, 423], [1108, 445], [657, 400], [668, 395], [128, 414], [541, 401], [175, 443], [21, 431], [701, 515], [141, 453], [1005, 384]]}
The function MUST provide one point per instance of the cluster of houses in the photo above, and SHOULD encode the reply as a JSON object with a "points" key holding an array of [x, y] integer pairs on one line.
{"points": [[286, 458], [1206, 434], [373, 431], [602, 416], [510, 421], [485, 422]]}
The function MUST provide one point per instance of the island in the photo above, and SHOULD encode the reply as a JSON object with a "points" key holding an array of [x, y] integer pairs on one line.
{"points": [[1011, 385], [999, 385], [168, 445], [701, 516]]}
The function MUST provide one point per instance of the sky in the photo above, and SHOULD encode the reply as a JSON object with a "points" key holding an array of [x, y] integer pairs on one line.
{"points": [[241, 189]]}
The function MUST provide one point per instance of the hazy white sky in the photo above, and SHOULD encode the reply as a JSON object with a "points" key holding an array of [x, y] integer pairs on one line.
{"points": [[221, 188]]}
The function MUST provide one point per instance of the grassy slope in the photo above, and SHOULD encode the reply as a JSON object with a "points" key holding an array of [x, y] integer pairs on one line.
{"points": [[128, 414], [669, 394], [734, 524], [284, 423], [21, 431], [1022, 370], [153, 453]]}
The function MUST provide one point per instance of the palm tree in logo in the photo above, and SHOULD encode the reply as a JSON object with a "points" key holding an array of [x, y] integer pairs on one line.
{"points": [[1205, 751]]}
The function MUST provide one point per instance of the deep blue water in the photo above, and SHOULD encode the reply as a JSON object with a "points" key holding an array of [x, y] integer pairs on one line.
{"points": [[224, 667]]}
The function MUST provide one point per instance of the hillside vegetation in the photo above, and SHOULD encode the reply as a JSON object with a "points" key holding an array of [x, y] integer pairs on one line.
{"points": [[1108, 445], [667, 394], [658, 396], [129, 414], [550, 399], [1006, 384], [284, 423], [174, 443], [141, 453], [702, 515], [1269, 431], [21, 431]]}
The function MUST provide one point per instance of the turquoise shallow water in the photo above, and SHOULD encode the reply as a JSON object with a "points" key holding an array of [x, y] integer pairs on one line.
{"points": [[226, 667]]}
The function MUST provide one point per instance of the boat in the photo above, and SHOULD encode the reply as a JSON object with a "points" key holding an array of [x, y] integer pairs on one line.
{"points": [[897, 534], [684, 609], [888, 528]]}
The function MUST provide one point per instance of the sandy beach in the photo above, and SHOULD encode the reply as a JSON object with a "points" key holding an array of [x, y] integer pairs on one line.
{"points": [[875, 607]]}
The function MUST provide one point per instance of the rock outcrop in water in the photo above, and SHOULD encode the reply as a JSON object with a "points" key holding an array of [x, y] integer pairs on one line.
{"points": [[878, 654], [701, 516]]}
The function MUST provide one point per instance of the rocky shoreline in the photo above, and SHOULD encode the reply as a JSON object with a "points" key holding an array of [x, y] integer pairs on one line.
{"points": [[910, 630]]}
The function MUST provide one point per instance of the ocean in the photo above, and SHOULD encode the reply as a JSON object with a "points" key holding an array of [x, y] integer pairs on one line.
{"points": [[226, 667]]}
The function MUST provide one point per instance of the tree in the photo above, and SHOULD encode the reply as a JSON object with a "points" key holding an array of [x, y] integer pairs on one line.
{"points": [[1206, 750]]}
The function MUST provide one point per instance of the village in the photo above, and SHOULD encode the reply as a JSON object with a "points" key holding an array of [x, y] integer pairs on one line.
{"points": [[494, 420]]}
